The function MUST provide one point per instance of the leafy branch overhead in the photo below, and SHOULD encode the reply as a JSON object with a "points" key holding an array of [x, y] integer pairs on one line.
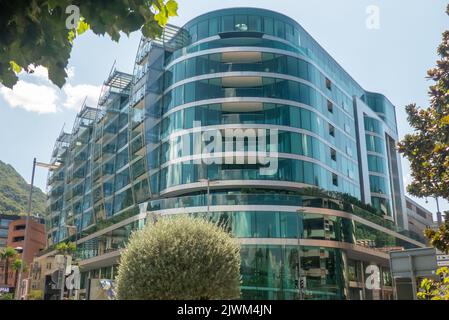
{"points": [[35, 32], [427, 148]]}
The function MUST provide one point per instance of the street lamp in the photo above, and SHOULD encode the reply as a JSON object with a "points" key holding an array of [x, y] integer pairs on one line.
{"points": [[43, 165], [301, 283], [439, 218], [208, 181]]}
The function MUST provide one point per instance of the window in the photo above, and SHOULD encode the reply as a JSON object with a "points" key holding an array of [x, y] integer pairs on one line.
{"points": [[213, 26], [331, 130], [18, 239], [330, 106], [347, 128], [255, 23], [241, 23], [203, 29], [289, 33], [334, 179], [268, 25], [292, 66], [328, 84], [333, 154], [308, 173], [349, 151], [5, 223], [193, 33], [228, 23], [279, 29], [20, 227]]}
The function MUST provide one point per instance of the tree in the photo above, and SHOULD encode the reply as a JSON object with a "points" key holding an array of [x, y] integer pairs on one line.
{"points": [[180, 258], [66, 248], [437, 289], [427, 148], [41, 32], [440, 238], [6, 255], [16, 266]]}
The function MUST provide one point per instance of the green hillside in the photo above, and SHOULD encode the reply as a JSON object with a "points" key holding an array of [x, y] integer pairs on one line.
{"points": [[14, 191]]}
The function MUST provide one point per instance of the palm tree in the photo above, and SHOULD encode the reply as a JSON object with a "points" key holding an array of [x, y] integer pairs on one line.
{"points": [[17, 264], [5, 255]]}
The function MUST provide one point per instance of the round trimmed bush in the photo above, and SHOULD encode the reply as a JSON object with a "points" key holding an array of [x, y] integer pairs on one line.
{"points": [[180, 258]]}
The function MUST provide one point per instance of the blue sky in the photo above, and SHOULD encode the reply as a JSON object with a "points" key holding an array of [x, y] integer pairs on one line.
{"points": [[392, 60]]}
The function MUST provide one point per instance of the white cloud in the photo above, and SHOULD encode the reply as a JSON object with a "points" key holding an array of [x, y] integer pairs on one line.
{"points": [[406, 179], [31, 97], [75, 95], [35, 93], [70, 72], [41, 72]]}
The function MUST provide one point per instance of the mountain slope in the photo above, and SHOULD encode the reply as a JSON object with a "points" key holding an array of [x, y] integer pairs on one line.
{"points": [[14, 192]]}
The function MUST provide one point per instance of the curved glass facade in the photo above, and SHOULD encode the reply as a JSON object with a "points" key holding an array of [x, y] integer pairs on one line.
{"points": [[379, 174], [261, 74]]}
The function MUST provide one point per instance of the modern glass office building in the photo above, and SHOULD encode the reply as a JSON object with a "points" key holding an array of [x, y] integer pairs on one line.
{"points": [[314, 228]]}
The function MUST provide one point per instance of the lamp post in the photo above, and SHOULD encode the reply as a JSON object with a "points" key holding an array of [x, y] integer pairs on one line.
{"points": [[439, 218], [208, 181], [300, 277], [27, 221]]}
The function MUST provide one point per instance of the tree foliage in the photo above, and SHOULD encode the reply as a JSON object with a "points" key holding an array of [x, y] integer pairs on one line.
{"points": [[35, 32], [6, 254], [180, 258], [427, 148], [7, 296], [437, 289], [440, 238], [36, 295], [66, 248]]}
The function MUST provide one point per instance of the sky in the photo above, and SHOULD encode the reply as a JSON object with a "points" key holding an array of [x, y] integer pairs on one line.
{"points": [[392, 59]]}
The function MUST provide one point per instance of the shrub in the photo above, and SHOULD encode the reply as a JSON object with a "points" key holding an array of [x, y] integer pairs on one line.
{"points": [[180, 258], [36, 295], [7, 296]]}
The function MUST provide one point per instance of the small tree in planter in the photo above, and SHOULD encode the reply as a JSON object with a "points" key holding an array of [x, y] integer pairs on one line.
{"points": [[66, 248], [180, 258]]}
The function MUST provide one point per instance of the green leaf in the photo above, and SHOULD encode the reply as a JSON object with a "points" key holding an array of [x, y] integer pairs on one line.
{"points": [[39, 36], [82, 27], [71, 36], [15, 67], [172, 8], [161, 18], [445, 120]]}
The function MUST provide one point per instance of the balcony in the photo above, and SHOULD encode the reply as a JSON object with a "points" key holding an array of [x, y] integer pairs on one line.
{"points": [[109, 149]]}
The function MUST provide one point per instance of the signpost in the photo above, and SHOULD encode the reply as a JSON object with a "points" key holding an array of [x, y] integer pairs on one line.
{"points": [[443, 260], [407, 266]]}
